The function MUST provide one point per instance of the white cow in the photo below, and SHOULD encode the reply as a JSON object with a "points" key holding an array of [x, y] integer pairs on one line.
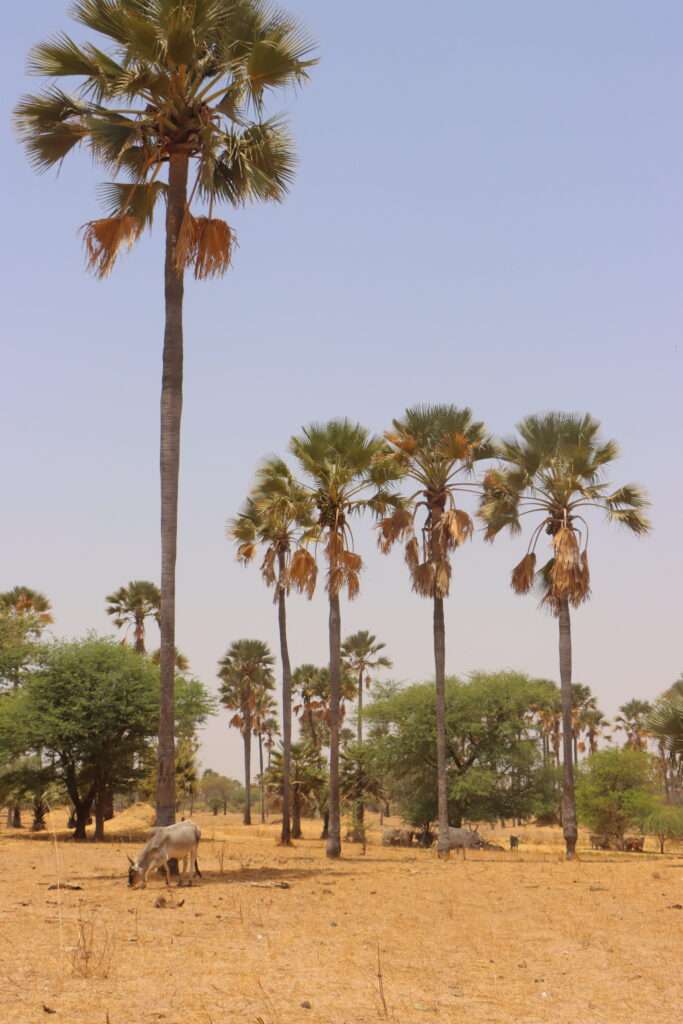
{"points": [[180, 841]]}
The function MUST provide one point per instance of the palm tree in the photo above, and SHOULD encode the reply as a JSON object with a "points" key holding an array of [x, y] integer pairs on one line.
{"points": [[633, 720], [360, 781], [181, 87], [583, 703], [30, 606], [438, 447], [132, 605], [361, 655], [264, 723], [245, 671], [348, 475], [554, 471], [277, 516], [310, 686], [307, 780], [595, 725]]}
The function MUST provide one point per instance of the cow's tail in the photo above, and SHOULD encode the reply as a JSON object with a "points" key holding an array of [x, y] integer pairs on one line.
{"points": [[196, 867]]}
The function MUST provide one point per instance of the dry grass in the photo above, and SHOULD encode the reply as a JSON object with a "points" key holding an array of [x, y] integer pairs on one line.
{"points": [[395, 935]]}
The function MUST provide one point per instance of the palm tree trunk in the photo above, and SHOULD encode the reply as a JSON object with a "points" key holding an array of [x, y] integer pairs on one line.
{"points": [[171, 411], [261, 779], [285, 835], [296, 813], [246, 735], [333, 846], [568, 799], [140, 634], [360, 706], [441, 774]]}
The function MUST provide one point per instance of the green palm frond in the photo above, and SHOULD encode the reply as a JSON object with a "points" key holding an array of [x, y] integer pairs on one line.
{"points": [[138, 200]]}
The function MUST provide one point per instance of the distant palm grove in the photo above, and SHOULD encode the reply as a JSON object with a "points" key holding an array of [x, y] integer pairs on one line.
{"points": [[174, 113]]}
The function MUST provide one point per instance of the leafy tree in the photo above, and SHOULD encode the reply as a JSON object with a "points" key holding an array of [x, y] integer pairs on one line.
{"points": [[615, 791], [493, 761], [664, 821], [181, 87], [245, 671], [437, 447], [361, 655], [221, 793], [632, 719], [308, 780], [91, 708], [554, 471], [360, 782], [277, 517], [132, 605], [28, 606], [347, 476]]}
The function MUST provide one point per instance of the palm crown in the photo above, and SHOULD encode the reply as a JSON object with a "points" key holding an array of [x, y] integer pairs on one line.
{"points": [[361, 653], [180, 77], [132, 604], [29, 605], [437, 447], [555, 471], [350, 473], [246, 673], [278, 516]]}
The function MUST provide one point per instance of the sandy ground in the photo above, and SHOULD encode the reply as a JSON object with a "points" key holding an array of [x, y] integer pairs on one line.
{"points": [[496, 937]]}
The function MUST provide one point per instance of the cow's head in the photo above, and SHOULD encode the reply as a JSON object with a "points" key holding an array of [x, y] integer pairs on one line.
{"points": [[134, 874]]}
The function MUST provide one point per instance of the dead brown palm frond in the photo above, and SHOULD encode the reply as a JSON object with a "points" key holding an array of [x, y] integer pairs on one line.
{"points": [[412, 553], [442, 578], [215, 242], [566, 570], [186, 243], [523, 574], [455, 446], [393, 528], [583, 582], [404, 442], [456, 526], [303, 572], [334, 546], [246, 552], [423, 579], [103, 239], [350, 561], [268, 566]]}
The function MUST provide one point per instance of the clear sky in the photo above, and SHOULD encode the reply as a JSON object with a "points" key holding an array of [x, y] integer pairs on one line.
{"points": [[488, 212]]}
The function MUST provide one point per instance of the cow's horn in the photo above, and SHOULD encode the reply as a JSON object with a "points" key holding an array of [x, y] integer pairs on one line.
{"points": [[130, 861]]}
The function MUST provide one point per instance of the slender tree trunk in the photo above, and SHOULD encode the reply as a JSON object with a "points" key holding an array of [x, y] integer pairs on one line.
{"points": [[442, 779], [333, 847], [568, 799], [14, 816], [285, 835], [261, 779], [140, 634], [359, 730], [247, 772], [171, 411], [326, 825], [296, 813]]}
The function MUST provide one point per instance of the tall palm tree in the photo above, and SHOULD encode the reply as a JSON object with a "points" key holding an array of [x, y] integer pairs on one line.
{"points": [[246, 672], [583, 703], [594, 725], [349, 473], [554, 471], [277, 517], [361, 655], [438, 447], [31, 606], [633, 720], [177, 95], [263, 723], [132, 605]]}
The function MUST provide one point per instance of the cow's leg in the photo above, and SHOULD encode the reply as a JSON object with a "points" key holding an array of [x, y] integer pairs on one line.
{"points": [[164, 865]]}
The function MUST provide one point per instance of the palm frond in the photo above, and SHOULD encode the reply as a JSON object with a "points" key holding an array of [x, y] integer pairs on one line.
{"points": [[104, 239]]}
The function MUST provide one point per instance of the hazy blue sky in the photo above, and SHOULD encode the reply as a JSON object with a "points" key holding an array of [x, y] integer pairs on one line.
{"points": [[488, 212]]}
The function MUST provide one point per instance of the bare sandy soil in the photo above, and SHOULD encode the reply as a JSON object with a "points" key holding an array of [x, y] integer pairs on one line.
{"points": [[497, 937]]}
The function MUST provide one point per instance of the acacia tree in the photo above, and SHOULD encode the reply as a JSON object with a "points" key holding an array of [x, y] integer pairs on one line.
{"points": [[278, 517], [174, 110], [349, 473], [554, 471], [132, 605], [361, 655], [438, 447], [246, 673]]}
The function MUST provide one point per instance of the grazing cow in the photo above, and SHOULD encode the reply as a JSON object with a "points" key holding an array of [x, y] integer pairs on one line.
{"points": [[397, 837], [634, 844], [514, 842], [464, 839], [599, 842], [179, 841]]}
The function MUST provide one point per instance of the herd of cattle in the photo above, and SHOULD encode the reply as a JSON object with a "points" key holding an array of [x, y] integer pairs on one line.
{"points": [[180, 842]]}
